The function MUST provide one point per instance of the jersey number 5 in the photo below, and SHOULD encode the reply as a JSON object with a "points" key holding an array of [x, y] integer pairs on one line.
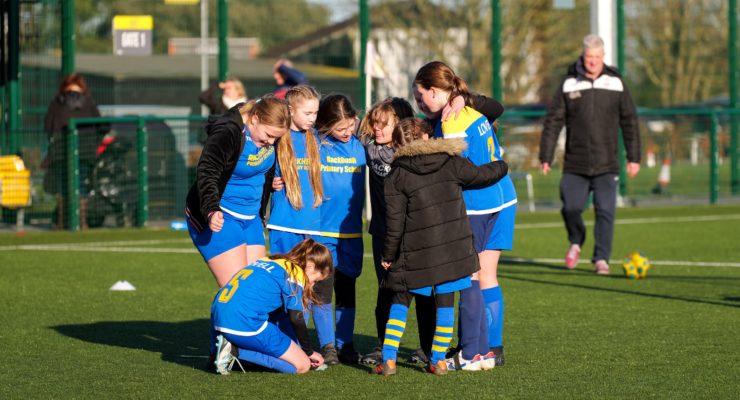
{"points": [[233, 285]]}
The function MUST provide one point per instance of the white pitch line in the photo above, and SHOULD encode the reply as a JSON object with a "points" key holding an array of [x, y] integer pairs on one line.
{"points": [[630, 221], [664, 263], [106, 246], [57, 247], [139, 242]]}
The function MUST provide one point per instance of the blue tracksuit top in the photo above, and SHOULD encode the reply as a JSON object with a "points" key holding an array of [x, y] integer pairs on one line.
{"points": [[242, 306], [483, 147], [243, 193], [283, 217], [343, 175]]}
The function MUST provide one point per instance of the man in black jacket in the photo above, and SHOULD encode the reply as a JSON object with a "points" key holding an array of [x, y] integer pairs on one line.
{"points": [[593, 103]]}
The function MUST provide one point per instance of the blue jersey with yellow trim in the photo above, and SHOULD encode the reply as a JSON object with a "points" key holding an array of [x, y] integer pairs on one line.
{"points": [[343, 175], [243, 192], [483, 147], [242, 305], [283, 216]]}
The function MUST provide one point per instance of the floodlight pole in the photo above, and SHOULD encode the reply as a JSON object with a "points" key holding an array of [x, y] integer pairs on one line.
{"points": [[223, 44], [607, 21], [496, 84], [203, 50], [14, 96], [364, 36], [68, 37], [732, 39]]}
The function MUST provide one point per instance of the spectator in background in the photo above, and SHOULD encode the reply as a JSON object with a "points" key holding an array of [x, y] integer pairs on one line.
{"points": [[73, 100], [593, 103], [233, 94], [286, 77]]}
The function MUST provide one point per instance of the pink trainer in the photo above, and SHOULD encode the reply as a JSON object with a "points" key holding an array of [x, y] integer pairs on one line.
{"points": [[572, 255]]}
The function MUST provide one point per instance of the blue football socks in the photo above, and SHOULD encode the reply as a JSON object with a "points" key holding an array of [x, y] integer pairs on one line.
{"points": [[394, 331], [442, 333], [345, 318], [494, 301], [471, 313], [323, 320], [267, 361]]}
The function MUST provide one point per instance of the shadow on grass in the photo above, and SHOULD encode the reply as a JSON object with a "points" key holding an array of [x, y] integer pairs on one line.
{"points": [[184, 343], [515, 276]]}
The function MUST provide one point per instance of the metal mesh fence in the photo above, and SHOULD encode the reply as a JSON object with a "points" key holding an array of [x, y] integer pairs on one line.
{"points": [[676, 158], [674, 56]]}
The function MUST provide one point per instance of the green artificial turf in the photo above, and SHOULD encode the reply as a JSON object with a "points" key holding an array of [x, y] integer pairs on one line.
{"points": [[568, 334]]}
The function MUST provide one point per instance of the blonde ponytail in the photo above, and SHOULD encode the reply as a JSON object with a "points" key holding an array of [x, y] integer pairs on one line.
{"points": [[289, 171], [295, 96], [314, 168]]}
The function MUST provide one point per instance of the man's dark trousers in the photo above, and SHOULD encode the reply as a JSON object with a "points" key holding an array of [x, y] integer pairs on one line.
{"points": [[574, 190]]}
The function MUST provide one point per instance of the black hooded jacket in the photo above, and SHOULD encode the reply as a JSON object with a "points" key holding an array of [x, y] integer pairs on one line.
{"points": [[428, 235], [592, 112], [221, 152], [63, 107]]}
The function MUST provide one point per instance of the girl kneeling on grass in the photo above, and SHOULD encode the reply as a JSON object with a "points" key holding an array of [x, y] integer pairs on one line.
{"points": [[429, 245], [245, 311]]}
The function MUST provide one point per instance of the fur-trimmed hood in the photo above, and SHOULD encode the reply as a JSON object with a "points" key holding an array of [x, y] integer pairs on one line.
{"points": [[427, 156], [453, 147]]}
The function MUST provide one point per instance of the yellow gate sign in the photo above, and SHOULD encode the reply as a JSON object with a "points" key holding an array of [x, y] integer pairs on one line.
{"points": [[132, 35]]}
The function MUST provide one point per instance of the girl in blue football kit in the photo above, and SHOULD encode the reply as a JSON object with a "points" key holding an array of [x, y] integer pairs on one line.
{"points": [[295, 212], [222, 206], [491, 212], [245, 310], [343, 177]]}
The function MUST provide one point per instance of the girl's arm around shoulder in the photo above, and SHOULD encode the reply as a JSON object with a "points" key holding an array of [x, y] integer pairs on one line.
{"points": [[487, 106], [472, 176], [364, 139], [359, 150]]}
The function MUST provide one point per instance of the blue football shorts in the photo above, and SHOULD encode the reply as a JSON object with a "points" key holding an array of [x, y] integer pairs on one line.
{"points": [[445, 287], [235, 232], [493, 231], [282, 242], [346, 254], [271, 341]]}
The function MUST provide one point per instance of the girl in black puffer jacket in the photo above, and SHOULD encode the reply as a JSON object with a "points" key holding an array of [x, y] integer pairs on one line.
{"points": [[429, 245]]}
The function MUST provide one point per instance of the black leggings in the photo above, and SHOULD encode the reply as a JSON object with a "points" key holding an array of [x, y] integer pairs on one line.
{"points": [[344, 288], [440, 300], [426, 311]]}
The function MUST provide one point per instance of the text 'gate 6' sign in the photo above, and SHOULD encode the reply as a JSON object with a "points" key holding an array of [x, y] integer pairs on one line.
{"points": [[132, 35]]}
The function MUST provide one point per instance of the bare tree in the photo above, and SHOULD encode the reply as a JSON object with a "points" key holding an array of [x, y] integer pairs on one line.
{"points": [[679, 48]]}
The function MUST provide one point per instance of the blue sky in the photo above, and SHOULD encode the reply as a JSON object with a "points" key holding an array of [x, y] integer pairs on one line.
{"points": [[341, 9]]}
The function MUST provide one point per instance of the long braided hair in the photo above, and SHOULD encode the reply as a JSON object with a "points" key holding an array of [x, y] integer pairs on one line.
{"points": [[286, 154]]}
